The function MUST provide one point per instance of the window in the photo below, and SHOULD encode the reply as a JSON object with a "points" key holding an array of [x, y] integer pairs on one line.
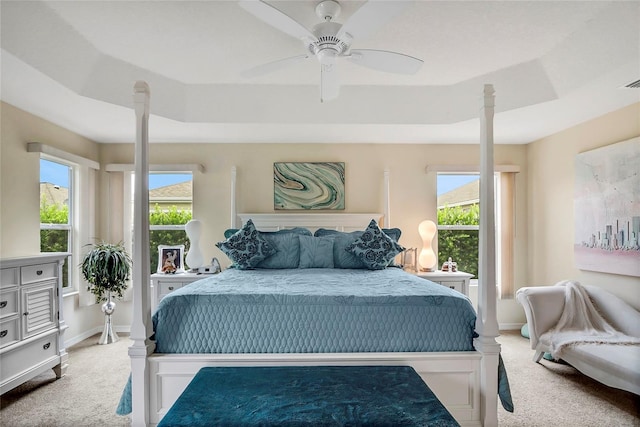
{"points": [[458, 224], [56, 213], [170, 208], [458, 219]]}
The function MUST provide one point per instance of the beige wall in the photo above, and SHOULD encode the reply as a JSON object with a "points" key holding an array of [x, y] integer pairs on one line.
{"points": [[20, 196], [550, 202]]}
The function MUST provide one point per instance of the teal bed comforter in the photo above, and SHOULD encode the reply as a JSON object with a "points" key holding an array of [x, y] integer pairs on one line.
{"points": [[313, 311]]}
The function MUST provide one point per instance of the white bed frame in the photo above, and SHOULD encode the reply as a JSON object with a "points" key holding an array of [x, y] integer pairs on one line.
{"points": [[465, 382]]}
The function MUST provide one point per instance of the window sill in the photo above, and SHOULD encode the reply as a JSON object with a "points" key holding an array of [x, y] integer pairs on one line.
{"points": [[70, 294]]}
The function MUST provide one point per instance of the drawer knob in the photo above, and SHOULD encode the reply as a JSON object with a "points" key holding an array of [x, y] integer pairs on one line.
{"points": [[170, 288], [4, 333], [26, 313], [46, 346], [39, 272], [3, 304]]}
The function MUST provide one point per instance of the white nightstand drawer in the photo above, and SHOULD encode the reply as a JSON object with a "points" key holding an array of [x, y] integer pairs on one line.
{"points": [[168, 287], [455, 285], [164, 284], [458, 281]]}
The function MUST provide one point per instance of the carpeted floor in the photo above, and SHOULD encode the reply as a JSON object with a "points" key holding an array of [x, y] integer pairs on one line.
{"points": [[546, 394]]}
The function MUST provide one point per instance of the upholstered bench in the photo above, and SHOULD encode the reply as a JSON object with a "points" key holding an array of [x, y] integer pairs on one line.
{"points": [[308, 396]]}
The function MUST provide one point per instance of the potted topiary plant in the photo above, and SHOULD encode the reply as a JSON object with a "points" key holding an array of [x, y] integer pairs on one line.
{"points": [[107, 268]]}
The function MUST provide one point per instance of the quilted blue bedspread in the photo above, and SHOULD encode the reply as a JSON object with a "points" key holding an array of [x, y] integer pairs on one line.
{"points": [[313, 311]]}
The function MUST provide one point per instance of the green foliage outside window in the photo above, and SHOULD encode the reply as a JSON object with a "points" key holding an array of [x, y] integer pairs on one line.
{"points": [[171, 216], [55, 240], [461, 245]]}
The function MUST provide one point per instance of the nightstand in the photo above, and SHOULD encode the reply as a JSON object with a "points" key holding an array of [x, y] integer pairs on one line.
{"points": [[163, 284], [458, 281]]}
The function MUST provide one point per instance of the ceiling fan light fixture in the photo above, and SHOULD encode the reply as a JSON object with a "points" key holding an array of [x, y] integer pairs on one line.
{"points": [[327, 56]]}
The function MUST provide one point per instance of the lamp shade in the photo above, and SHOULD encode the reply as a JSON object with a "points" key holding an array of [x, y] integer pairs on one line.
{"points": [[427, 259], [194, 258]]}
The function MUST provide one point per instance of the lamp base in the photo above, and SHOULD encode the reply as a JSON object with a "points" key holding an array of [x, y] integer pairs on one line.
{"points": [[427, 270]]}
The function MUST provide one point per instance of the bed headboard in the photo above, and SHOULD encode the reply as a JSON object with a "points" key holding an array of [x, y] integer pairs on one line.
{"points": [[312, 221]]}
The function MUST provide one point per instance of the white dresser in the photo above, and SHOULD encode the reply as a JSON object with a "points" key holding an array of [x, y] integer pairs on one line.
{"points": [[458, 281], [31, 321], [163, 284]]}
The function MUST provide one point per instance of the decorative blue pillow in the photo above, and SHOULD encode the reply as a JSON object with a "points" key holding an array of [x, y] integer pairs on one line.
{"points": [[287, 247], [230, 232], [341, 239], [341, 257], [374, 248], [247, 247], [316, 252]]}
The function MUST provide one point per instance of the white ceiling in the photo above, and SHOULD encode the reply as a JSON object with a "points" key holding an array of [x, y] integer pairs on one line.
{"points": [[553, 64]]}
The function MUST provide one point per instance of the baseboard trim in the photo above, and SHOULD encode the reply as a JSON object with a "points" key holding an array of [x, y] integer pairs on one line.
{"points": [[124, 329], [510, 326], [83, 336]]}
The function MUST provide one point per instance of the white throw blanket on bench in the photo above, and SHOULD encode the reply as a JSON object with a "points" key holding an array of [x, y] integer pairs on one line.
{"points": [[581, 323]]}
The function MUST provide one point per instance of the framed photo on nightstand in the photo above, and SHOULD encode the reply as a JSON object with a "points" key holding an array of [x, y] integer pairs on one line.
{"points": [[170, 259]]}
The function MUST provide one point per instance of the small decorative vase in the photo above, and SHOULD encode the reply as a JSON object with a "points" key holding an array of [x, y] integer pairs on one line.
{"points": [[108, 334]]}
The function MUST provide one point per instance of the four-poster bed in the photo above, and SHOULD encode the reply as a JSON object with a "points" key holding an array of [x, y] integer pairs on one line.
{"points": [[465, 381]]}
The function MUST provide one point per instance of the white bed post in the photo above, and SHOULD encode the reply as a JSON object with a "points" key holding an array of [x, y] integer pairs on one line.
{"points": [[387, 201], [141, 323], [234, 209], [487, 321]]}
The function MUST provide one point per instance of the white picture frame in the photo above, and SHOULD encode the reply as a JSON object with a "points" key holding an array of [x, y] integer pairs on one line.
{"points": [[170, 259]]}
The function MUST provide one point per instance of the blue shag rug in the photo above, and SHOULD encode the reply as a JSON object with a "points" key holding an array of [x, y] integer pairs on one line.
{"points": [[308, 396]]}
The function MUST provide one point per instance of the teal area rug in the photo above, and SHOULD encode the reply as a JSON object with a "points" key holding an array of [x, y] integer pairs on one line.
{"points": [[308, 396]]}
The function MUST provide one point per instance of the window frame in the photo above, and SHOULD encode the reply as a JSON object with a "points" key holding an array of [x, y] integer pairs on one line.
{"points": [[128, 199], [71, 226], [504, 207]]}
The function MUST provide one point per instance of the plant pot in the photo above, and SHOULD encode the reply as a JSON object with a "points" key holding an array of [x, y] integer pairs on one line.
{"points": [[108, 334]]}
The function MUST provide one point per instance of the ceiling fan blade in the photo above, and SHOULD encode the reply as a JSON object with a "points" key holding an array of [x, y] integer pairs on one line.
{"points": [[329, 84], [270, 67], [276, 18], [370, 17], [383, 60]]}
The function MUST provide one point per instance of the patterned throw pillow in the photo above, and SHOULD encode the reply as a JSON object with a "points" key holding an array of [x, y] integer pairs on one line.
{"points": [[374, 248], [247, 247]]}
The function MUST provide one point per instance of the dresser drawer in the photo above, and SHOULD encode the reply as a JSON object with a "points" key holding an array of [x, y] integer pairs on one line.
{"points": [[9, 302], [38, 272], [9, 277], [9, 332], [28, 356]]}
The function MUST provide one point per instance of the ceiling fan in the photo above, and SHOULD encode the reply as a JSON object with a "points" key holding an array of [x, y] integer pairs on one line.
{"points": [[329, 40]]}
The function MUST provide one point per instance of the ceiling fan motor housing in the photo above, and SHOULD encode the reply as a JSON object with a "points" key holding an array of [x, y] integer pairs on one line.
{"points": [[328, 46]]}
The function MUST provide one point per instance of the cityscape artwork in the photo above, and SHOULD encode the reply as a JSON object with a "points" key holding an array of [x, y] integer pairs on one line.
{"points": [[607, 209], [308, 185]]}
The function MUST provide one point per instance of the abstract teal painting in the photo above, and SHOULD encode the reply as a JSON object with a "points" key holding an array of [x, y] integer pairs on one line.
{"points": [[308, 185]]}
